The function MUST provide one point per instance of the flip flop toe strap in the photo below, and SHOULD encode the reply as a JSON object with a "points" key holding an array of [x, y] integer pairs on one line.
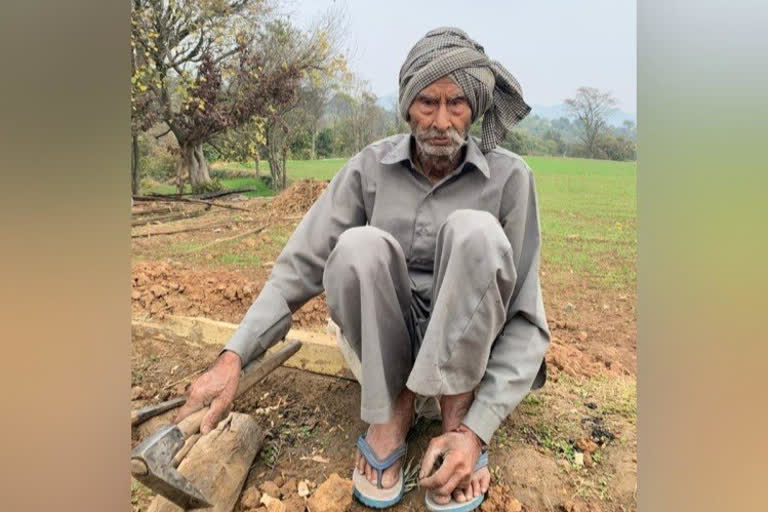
{"points": [[375, 462], [482, 461]]}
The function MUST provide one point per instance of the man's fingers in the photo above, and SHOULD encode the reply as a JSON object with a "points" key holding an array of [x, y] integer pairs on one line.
{"points": [[450, 485], [434, 450], [439, 477], [218, 408], [190, 406], [450, 474]]}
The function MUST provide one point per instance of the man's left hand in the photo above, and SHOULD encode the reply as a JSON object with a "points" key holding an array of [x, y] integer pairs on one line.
{"points": [[460, 451]]}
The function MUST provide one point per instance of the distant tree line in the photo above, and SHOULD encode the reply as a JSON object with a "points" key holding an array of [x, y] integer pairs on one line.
{"points": [[234, 80]]}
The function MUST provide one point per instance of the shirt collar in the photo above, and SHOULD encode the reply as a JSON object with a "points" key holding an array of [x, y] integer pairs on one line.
{"points": [[401, 151]]}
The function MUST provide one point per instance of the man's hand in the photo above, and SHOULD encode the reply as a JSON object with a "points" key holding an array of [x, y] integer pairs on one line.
{"points": [[217, 387], [460, 451]]}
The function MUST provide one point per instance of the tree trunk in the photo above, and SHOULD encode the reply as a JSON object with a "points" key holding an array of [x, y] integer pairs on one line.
{"points": [[313, 154], [135, 169], [256, 161], [276, 160], [283, 157], [193, 165], [276, 171], [201, 176]]}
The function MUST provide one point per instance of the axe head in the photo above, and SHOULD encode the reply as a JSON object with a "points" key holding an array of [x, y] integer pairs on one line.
{"points": [[152, 465]]}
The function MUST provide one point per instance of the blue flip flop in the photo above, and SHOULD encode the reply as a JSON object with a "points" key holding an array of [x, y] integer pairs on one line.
{"points": [[453, 505], [377, 496]]}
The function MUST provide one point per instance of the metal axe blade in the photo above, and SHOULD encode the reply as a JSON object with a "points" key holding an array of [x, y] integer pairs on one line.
{"points": [[151, 465]]}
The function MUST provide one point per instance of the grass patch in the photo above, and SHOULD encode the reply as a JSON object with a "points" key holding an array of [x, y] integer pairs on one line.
{"points": [[240, 259], [587, 212], [227, 184], [549, 438]]}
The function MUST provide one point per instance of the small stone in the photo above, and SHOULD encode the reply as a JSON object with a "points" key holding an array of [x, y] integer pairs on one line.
{"points": [[583, 335], [578, 459], [570, 307], [137, 392], [591, 405], [270, 488], [294, 504], [333, 495], [588, 462], [135, 294], [277, 506], [230, 293], [513, 506], [251, 498], [570, 506], [586, 445], [289, 488], [303, 489], [158, 291]]}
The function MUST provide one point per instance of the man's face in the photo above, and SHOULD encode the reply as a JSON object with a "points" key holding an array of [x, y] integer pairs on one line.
{"points": [[440, 117]]}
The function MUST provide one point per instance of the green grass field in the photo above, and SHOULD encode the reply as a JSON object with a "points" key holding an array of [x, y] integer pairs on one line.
{"points": [[227, 183], [587, 211]]}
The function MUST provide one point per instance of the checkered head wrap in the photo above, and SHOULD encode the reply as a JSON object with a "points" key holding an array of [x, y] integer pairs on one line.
{"points": [[492, 91]]}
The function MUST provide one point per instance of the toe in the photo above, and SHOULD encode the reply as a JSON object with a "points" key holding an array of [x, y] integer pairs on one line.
{"points": [[440, 499], [475, 487], [459, 496], [485, 481], [367, 472]]}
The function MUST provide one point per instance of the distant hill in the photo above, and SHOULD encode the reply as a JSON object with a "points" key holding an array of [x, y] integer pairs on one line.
{"points": [[551, 112]]}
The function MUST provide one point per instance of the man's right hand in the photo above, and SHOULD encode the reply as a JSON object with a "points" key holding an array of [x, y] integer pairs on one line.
{"points": [[216, 387]]}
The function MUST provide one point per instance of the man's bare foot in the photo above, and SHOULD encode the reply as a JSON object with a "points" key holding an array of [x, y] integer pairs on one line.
{"points": [[384, 438], [453, 409]]}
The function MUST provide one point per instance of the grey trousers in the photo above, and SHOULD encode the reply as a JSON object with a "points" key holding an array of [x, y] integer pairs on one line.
{"points": [[435, 341]]}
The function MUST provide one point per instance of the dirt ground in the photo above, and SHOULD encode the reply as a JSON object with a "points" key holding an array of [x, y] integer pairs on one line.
{"points": [[568, 447]]}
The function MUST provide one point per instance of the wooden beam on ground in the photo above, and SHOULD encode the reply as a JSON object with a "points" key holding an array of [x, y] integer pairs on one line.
{"points": [[218, 463], [319, 353], [170, 218], [151, 211], [189, 229], [189, 200], [236, 237], [223, 193]]}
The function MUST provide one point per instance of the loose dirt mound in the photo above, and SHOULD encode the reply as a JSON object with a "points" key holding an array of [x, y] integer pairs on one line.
{"points": [[297, 198], [161, 288]]}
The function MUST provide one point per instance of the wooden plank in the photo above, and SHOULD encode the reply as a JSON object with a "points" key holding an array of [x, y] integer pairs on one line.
{"points": [[319, 353]]}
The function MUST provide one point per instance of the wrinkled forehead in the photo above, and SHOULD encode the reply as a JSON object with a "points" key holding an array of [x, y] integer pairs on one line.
{"points": [[445, 86]]}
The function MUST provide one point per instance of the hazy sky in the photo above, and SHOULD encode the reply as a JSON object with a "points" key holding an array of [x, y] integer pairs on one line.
{"points": [[551, 46]]}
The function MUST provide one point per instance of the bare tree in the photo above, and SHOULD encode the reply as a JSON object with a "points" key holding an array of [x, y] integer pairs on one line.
{"points": [[590, 106]]}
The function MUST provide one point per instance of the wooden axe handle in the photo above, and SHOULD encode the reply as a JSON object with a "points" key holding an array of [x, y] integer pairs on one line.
{"points": [[251, 374]]}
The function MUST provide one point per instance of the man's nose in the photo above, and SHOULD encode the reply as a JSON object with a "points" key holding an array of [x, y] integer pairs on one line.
{"points": [[442, 118]]}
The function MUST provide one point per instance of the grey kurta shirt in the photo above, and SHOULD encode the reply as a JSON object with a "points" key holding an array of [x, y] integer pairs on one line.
{"points": [[381, 187]]}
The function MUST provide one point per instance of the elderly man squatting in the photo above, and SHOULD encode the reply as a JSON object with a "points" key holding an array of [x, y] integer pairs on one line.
{"points": [[427, 246]]}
